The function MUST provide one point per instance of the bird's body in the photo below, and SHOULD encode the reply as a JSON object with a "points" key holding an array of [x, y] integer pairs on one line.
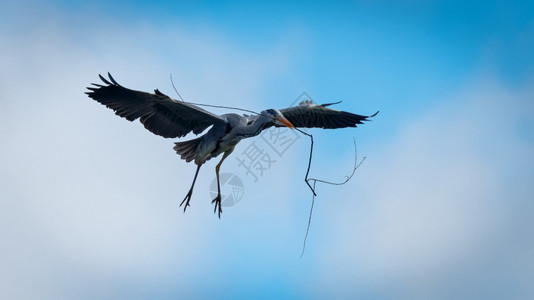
{"points": [[220, 138], [171, 118]]}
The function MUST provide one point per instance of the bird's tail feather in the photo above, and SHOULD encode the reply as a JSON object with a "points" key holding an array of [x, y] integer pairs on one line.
{"points": [[187, 149]]}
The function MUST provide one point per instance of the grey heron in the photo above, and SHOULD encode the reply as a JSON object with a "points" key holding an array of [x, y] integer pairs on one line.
{"points": [[171, 118]]}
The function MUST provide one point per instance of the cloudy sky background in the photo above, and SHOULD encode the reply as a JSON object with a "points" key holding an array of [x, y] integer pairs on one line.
{"points": [[441, 208]]}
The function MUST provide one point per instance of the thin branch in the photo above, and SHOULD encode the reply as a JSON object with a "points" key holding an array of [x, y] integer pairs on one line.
{"points": [[226, 107], [309, 161], [209, 105], [309, 223], [315, 180], [172, 82], [347, 178]]}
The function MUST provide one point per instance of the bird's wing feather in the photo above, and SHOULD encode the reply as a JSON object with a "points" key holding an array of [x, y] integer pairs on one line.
{"points": [[158, 112], [310, 115]]}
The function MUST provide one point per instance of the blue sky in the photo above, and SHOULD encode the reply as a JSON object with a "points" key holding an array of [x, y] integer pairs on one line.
{"points": [[440, 208]]}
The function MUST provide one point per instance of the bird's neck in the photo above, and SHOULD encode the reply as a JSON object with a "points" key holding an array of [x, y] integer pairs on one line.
{"points": [[256, 127]]}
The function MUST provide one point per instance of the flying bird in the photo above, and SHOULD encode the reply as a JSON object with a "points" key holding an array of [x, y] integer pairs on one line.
{"points": [[171, 118]]}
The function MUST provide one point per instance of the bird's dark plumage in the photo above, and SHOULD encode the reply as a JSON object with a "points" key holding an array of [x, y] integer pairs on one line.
{"points": [[158, 112], [310, 115]]}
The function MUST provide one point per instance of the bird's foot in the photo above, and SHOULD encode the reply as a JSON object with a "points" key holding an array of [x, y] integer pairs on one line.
{"points": [[186, 200], [218, 206]]}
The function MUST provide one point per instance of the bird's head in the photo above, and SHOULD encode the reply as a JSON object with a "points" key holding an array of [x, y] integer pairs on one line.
{"points": [[277, 117]]}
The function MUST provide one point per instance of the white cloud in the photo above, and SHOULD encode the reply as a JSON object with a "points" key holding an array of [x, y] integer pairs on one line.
{"points": [[89, 200], [434, 213]]}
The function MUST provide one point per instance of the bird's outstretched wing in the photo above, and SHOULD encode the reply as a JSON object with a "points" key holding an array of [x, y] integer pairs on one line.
{"points": [[307, 114], [158, 112]]}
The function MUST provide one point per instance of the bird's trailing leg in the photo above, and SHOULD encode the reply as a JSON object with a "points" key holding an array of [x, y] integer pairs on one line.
{"points": [[188, 196], [218, 199]]}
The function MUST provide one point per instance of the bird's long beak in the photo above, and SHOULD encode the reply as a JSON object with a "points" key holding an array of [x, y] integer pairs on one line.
{"points": [[286, 122]]}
